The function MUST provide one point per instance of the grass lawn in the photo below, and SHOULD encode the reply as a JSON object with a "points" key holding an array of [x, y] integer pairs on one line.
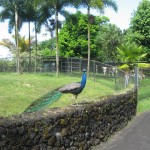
{"points": [[144, 95], [18, 91]]}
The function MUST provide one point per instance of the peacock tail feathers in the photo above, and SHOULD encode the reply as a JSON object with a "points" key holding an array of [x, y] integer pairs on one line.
{"points": [[43, 101]]}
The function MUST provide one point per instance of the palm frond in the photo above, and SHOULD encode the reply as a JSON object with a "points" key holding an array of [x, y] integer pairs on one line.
{"points": [[110, 3], [131, 52], [8, 44]]}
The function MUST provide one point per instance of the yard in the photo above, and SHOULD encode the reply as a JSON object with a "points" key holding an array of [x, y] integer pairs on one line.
{"points": [[144, 95], [18, 91]]}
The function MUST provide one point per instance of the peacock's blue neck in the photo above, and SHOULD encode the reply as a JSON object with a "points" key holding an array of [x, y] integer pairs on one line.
{"points": [[83, 81]]}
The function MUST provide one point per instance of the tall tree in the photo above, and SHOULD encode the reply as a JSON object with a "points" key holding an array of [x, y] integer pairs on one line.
{"points": [[11, 10], [29, 15], [108, 39], [73, 35], [96, 4], [45, 18], [18, 12], [140, 25], [58, 7]]}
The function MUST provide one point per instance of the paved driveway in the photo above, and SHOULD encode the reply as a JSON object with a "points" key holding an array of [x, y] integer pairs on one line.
{"points": [[136, 136]]}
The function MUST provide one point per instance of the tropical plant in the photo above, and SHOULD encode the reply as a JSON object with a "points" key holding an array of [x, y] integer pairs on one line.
{"points": [[73, 35], [130, 54], [45, 18], [140, 25], [11, 10], [58, 7], [96, 4], [23, 44], [47, 48], [29, 14]]}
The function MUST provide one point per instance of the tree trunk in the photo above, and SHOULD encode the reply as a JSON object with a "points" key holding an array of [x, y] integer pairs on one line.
{"points": [[16, 39], [36, 46], [89, 51], [29, 49], [57, 48]]}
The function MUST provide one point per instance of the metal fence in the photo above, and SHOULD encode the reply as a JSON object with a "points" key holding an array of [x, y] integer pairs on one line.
{"points": [[74, 66], [48, 64]]}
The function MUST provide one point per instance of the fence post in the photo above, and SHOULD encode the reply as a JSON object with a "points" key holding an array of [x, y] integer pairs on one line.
{"points": [[116, 77], [94, 67], [71, 64], [136, 77]]}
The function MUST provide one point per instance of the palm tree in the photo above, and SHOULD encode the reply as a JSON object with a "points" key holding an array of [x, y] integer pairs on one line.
{"points": [[45, 19], [96, 4], [28, 15], [23, 44], [10, 10], [58, 7], [17, 11], [129, 54]]}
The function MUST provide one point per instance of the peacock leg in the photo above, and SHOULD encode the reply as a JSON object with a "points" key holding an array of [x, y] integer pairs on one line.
{"points": [[77, 102]]}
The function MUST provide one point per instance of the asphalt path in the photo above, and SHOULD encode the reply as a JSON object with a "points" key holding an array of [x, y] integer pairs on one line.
{"points": [[135, 136]]}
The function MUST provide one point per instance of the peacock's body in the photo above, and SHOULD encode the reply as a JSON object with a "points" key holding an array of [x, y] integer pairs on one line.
{"points": [[73, 88]]}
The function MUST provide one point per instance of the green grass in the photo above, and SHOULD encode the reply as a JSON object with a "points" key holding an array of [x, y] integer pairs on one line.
{"points": [[144, 95], [18, 91]]}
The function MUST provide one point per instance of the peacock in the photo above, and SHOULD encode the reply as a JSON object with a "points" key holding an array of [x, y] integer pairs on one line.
{"points": [[73, 88]]}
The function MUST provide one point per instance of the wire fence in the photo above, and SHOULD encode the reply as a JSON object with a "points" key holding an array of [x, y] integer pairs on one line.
{"points": [[74, 66]]}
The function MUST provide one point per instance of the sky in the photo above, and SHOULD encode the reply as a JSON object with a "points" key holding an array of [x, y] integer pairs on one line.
{"points": [[120, 18]]}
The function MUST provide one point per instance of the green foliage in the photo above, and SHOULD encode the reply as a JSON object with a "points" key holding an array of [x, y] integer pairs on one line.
{"points": [[108, 38], [130, 52], [140, 25], [143, 65], [47, 48], [23, 44], [139, 31], [73, 35], [6, 64], [126, 67], [7, 11], [97, 4]]}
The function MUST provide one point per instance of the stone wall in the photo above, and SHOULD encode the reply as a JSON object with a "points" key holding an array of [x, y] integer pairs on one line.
{"points": [[70, 128]]}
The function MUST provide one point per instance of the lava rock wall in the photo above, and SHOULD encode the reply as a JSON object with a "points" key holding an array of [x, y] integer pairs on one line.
{"points": [[70, 128]]}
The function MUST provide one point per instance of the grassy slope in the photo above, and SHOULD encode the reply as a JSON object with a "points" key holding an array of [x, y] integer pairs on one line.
{"points": [[144, 95], [19, 90]]}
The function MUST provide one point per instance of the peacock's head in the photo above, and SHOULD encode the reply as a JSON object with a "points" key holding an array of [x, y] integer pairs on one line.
{"points": [[84, 70]]}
